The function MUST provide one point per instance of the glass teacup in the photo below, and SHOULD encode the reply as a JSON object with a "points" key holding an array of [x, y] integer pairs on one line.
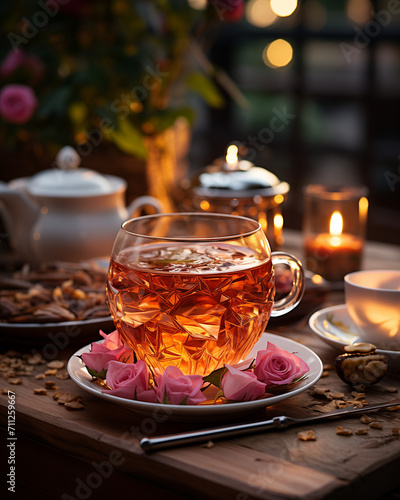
{"points": [[195, 290]]}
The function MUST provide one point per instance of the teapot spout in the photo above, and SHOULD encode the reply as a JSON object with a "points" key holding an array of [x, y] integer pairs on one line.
{"points": [[19, 214]]}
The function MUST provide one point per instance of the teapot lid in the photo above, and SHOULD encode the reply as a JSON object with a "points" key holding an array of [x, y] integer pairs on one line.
{"points": [[236, 179], [66, 179]]}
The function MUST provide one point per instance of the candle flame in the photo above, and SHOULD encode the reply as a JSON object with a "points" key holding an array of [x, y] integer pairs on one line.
{"points": [[336, 228], [336, 224], [232, 155]]}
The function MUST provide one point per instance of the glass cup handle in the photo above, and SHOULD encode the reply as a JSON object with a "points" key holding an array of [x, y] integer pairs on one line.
{"points": [[292, 299]]}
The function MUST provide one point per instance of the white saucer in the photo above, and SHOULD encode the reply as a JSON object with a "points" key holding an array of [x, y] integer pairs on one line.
{"points": [[81, 377], [334, 326]]}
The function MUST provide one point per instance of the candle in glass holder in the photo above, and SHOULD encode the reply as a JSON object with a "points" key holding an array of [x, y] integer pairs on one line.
{"points": [[334, 230]]}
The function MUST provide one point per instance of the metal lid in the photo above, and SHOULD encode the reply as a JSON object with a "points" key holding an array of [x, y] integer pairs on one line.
{"points": [[66, 179], [240, 179]]}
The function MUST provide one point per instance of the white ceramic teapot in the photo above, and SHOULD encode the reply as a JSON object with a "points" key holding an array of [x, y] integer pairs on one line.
{"points": [[66, 213]]}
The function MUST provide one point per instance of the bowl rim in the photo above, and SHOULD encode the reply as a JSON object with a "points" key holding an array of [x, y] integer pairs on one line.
{"points": [[350, 283]]}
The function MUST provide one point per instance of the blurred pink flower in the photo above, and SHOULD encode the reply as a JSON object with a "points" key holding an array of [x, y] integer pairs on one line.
{"points": [[19, 59], [111, 349], [240, 385], [75, 8], [130, 381], [275, 366], [175, 388], [228, 10], [17, 103]]}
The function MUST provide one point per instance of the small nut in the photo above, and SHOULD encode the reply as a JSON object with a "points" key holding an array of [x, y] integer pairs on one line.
{"points": [[361, 431], [396, 431], [361, 348]]}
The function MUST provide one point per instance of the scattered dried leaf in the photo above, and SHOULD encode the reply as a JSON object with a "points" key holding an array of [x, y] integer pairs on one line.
{"points": [[307, 436], [341, 431], [376, 425], [67, 398], [337, 395], [50, 384], [56, 364], [15, 381], [390, 389], [74, 405], [40, 391], [366, 419]]}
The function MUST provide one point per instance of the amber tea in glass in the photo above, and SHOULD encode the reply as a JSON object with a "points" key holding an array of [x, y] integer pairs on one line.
{"points": [[194, 290]]}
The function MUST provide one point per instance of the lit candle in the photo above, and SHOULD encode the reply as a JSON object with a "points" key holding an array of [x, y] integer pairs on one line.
{"points": [[334, 254]]}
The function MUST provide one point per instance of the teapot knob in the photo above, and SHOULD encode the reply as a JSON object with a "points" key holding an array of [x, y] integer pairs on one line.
{"points": [[67, 158]]}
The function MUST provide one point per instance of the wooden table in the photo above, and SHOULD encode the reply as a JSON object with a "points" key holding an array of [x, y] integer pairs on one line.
{"points": [[94, 452]]}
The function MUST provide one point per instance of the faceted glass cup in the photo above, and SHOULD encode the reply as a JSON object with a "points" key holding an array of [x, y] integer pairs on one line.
{"points": [[195, 290]]}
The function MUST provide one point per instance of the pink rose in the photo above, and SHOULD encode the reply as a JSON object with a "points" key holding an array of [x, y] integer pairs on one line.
{"points": [[275, 366], [175, 388], [111, 349], [130, 381], [240, 385], [17, 103]]}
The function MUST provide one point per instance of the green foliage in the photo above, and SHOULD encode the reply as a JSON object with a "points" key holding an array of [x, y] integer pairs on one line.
{"points": [[120, 60]]}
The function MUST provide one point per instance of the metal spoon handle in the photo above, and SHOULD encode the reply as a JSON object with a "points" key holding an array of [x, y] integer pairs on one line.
{"points": [[184, 438]]}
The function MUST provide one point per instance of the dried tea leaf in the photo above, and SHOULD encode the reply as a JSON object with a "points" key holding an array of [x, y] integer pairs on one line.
{"points": [[40, 391], [307, 436], [366, 419], [15, 381], [56, 364], [50, 384], [74, 405], [341, 431]]}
